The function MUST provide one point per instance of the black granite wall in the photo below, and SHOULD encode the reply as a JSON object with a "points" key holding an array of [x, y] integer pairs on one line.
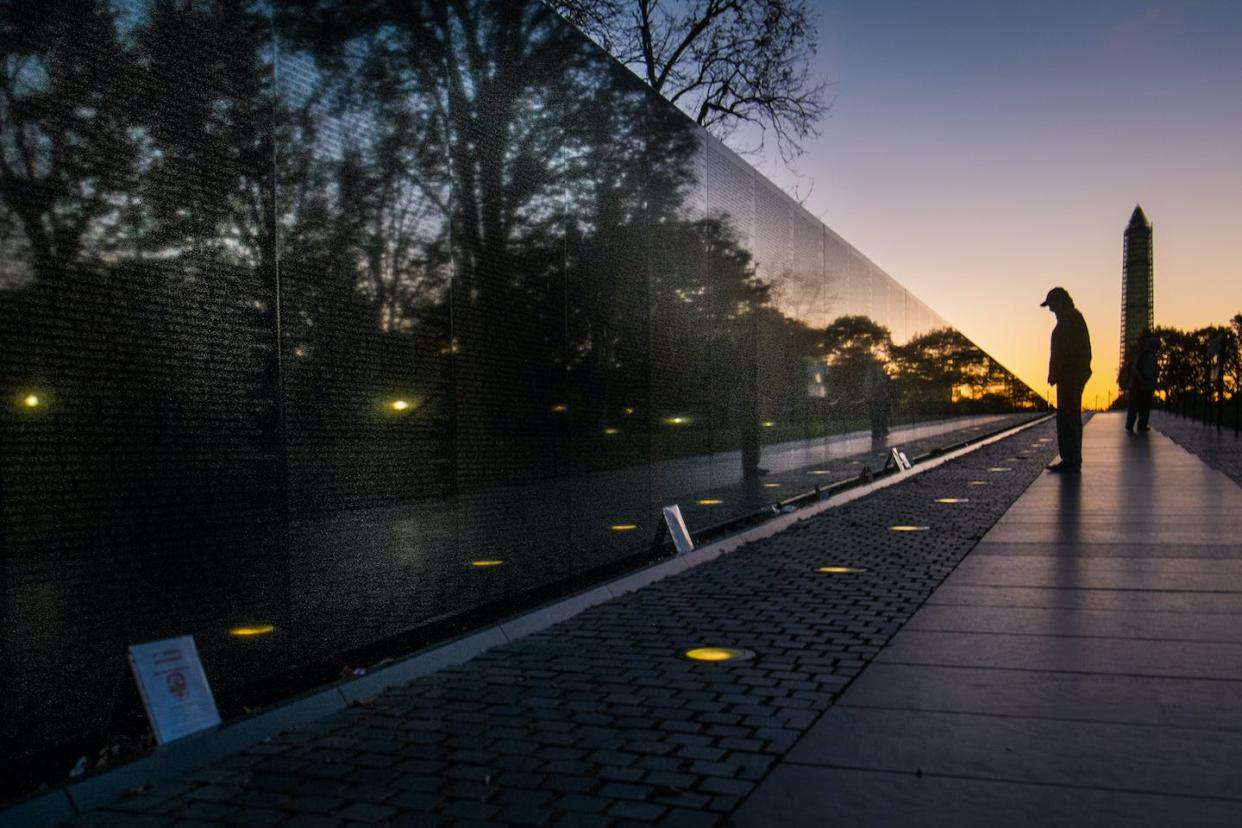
{"points": [[305, 308]]}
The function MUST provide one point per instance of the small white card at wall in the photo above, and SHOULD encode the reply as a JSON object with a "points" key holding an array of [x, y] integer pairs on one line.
{"points": [[174, 687], [677, 528], [900, 460]]}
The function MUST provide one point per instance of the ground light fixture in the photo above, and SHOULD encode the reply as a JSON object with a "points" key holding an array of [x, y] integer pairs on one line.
{"points": [[976, 482], [612, 431], [251, 631], [32, 401], [908, 528], [718, 654], [771, 485], [399, 406], [623, 527], [840, 569], [710, 501], [953, 500], [999, 469], [485, 564]]}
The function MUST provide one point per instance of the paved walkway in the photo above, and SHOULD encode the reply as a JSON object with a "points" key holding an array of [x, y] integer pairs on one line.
{"points": [[1082, 666]]}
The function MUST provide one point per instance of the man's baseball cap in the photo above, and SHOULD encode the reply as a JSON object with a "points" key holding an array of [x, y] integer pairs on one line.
{"points": [[1053, 294]]}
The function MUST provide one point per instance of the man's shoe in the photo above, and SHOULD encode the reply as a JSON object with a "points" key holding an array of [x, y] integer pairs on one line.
{"points": [[1065, 468]]}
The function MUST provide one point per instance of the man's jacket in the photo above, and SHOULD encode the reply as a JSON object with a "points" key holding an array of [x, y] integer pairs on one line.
{"points": [[1071, 349]]}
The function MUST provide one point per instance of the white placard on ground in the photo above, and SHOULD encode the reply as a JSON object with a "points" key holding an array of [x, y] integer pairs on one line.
{"points": [[677, 528], [174, 687], [900, 460]]}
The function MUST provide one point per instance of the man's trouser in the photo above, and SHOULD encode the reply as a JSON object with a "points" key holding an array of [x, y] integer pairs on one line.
{"points": [[1069, 422]]}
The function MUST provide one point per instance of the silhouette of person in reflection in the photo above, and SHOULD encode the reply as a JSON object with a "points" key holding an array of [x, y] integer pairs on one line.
{"points": [[1141, 382], [876, 388], [1069, 367]]}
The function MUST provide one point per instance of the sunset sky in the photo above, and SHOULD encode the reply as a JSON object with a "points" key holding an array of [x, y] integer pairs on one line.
{"points": [[982, 152]]}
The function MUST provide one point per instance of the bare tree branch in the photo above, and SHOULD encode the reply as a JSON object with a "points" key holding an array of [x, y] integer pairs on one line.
{"points": [[726, 63]]}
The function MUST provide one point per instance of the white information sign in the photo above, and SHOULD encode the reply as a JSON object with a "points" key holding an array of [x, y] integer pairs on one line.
{"points": [[174, 687], [900, 460], [677, 528]]}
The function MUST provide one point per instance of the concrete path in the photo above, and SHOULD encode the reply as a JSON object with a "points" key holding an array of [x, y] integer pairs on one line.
{"points": [[1082, 666]]}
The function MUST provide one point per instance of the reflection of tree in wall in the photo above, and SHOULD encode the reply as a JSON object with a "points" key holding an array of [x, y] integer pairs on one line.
{"points": [[135, 305], [846, 347]]}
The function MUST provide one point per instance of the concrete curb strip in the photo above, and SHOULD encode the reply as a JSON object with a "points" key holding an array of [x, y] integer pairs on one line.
{"points": [[77, 797]]}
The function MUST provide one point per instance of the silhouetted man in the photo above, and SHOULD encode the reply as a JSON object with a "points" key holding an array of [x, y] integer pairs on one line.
{"points": [[1141, 382], [1068, 369]]}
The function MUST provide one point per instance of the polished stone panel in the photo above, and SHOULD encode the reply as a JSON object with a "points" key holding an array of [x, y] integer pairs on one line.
{"points": [[1132, 601], [1151, 700], [1067, 651], [1010, 619], [1112, 550], [1185, 761], [798, 795]]}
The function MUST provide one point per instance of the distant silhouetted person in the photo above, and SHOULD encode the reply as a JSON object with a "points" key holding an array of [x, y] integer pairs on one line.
{"points": [[876, 391], [1141, 382], [1069, 366]]}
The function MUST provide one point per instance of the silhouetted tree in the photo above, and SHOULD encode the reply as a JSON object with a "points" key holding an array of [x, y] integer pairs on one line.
{"points": [[726, 63]]}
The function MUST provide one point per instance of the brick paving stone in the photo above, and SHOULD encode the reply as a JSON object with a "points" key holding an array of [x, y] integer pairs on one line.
{"points": [[256, 817], [645, 811], [524, 815], [686, 818], [581, 803], [198, 809], [622, 790], [308, 820], [412, 801], [468, 810], [315, 804], [366, 812], [612, 773], [119, 819], [580, 820]]}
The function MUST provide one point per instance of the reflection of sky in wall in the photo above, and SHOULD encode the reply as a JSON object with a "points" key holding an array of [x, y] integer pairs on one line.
{"points": [[983, 151]]}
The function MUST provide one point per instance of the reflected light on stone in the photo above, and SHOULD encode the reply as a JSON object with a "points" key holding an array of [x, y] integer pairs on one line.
{"points": [[485, 564], [253, 630], [717, 654], [909, 528]]}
